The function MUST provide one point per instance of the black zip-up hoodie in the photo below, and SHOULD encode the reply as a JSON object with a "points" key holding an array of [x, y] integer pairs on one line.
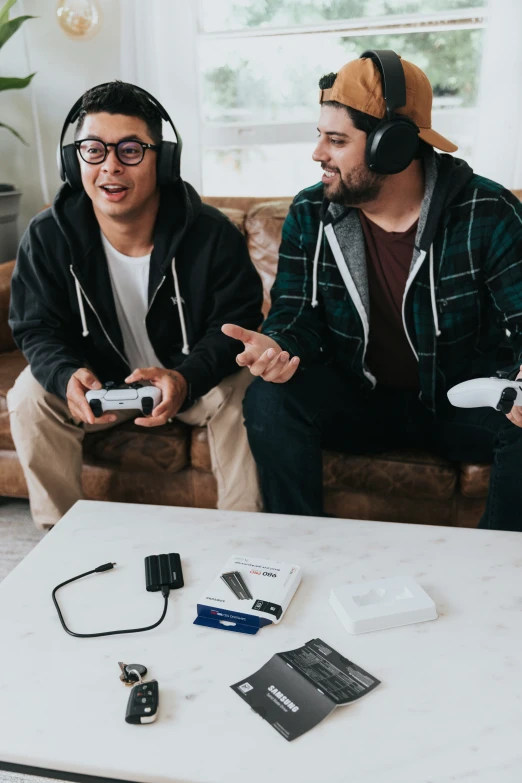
{"points": [[61, 270]]}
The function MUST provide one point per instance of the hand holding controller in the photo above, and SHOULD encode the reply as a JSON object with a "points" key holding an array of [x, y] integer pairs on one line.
{"points": [[497, 393], [126, 397]]}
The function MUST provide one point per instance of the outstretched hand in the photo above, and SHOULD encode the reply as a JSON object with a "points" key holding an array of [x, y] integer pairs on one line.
{"points": [[262, 355]]}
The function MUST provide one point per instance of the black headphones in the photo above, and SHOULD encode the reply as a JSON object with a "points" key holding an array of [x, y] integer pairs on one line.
{"points": [[168, 155], [392, 146]]}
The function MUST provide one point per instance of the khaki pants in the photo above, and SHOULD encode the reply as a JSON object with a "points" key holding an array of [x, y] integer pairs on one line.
{"points": [[49, 445]]}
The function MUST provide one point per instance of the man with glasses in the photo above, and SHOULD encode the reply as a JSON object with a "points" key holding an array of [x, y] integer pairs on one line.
{"points": [[127, 280]]}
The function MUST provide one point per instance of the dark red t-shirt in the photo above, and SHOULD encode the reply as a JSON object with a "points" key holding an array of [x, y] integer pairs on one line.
{"points": [[388, 259]]}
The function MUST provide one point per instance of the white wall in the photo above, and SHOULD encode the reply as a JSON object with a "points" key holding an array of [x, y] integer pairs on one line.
{"points": [[498, 141], [65, 69], [160, 55]]}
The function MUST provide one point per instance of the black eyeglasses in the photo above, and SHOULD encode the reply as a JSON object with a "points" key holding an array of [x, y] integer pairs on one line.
{"points": [[130, 153]]}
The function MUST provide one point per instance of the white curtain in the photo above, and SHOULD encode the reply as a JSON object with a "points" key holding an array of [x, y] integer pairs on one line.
{"points": [[158, 53], [498, 142]]}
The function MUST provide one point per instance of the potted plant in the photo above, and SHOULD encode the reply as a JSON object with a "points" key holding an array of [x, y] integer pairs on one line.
{"points": [[9, 195]]}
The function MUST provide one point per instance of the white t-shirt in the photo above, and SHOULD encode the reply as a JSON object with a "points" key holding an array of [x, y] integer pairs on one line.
{"points": [[130, 284]]}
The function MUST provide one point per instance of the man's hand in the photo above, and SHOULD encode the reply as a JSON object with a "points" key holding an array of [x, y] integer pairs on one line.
{"points": [[515, 416], [173, 391], [262, 355], [80, 382]]}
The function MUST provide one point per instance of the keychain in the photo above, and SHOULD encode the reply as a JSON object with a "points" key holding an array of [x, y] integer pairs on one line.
{"points": [[126, 669], [142, 706]]}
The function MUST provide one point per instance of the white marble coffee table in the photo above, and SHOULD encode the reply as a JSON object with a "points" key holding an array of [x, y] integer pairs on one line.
{"points": [[449, 707]]}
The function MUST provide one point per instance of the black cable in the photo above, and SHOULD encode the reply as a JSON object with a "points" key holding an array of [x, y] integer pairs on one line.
{"points": [[106, 567]]}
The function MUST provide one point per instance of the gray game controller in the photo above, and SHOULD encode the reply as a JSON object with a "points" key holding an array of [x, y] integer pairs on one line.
{"points": [[126, 397]]}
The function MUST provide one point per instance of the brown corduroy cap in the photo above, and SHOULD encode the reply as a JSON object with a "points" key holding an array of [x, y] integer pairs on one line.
{"points": [[359, 86]]}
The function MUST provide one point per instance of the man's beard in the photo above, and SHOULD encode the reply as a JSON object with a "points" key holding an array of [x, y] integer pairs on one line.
{"points": [[359, 187]]}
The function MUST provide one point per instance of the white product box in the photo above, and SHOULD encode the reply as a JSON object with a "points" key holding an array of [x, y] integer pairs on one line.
{"points": [[248, 593], [384, 603]]}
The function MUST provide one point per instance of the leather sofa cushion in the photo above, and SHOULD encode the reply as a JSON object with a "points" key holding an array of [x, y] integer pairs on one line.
{"points": [[6, 339], [390, 508], [244, 203], [474, 480], [159, 449], [199, 451], [402, 473], [11, 365], [113, 483], [6, 441], [469, 511], [264, 226]]}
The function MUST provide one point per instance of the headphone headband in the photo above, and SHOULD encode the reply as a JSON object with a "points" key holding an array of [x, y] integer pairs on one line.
{"points": [[392, 76], [392, 145]]}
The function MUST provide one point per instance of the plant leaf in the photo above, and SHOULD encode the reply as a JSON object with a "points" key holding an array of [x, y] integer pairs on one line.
{"points": [[4, 13], [3, 125], [9, 28], [12, 83]]}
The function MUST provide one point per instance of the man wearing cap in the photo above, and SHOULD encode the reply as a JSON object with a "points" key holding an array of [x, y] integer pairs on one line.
{"points": [[400, 275]]}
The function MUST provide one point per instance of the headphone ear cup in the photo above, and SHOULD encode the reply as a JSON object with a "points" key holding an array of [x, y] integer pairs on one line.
{"points": [[392, 146], [167, 167], [59, 162], [71, 168]]}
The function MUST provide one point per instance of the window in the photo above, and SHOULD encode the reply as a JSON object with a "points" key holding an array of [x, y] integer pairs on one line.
{"points": [[260, 62]]}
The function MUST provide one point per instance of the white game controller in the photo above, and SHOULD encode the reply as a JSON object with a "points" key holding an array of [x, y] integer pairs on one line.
{"points": [[131, 397], [498, 393]]}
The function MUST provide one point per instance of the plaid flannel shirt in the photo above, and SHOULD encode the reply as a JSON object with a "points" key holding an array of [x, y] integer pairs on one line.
{"points": [[477, 248]]}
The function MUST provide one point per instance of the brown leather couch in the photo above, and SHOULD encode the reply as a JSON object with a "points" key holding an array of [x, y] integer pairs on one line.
{"points": [[171, 465]]}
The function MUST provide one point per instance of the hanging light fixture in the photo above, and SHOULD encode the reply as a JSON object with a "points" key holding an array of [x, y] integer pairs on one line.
{"points": [[79, 19]]}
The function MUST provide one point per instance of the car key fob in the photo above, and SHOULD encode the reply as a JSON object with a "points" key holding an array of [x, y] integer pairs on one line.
{"points": [[142, 706]]}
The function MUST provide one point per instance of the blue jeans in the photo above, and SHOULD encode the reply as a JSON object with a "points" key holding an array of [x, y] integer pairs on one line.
{"points": [[289, 424]]}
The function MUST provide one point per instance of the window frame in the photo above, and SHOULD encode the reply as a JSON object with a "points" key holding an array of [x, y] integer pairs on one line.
{"points": [[228, 135]]}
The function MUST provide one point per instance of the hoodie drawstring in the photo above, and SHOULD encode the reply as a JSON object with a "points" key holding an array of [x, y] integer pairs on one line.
{"points": [[432, 293], [186, 349], [316, 264], [85, 331], [432, 280]]}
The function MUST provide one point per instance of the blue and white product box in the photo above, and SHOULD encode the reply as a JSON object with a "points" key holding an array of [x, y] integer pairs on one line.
{"points": [[248, 593]]}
